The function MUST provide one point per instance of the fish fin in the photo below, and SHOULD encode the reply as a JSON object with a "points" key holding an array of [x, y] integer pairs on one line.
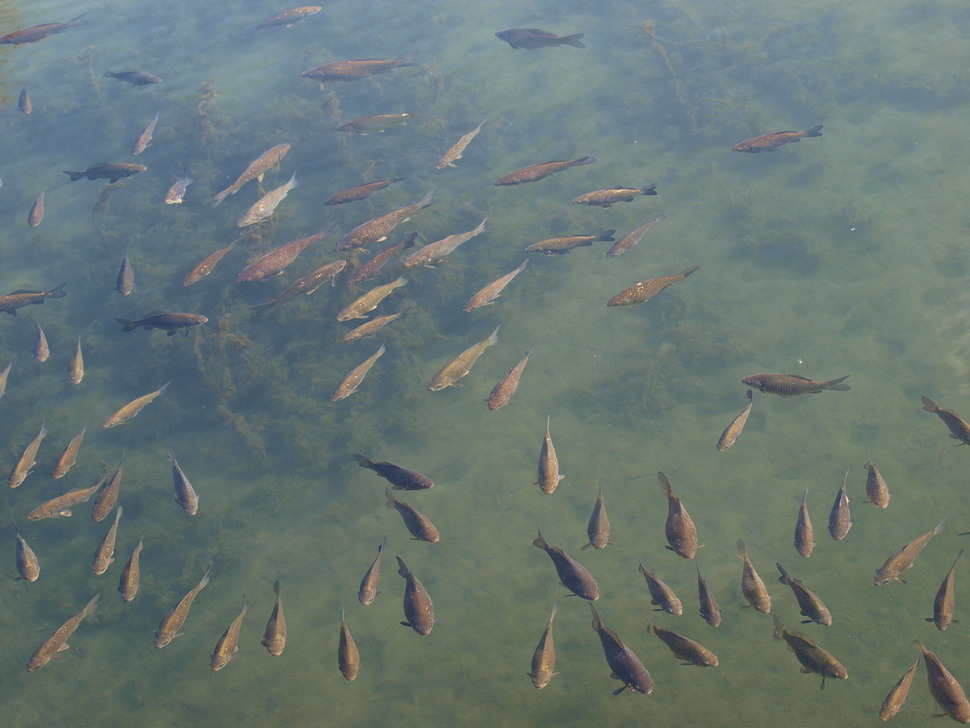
{"points": [[620, 689], [66, 513], [63, 647], [405, 624], [583, 548]]}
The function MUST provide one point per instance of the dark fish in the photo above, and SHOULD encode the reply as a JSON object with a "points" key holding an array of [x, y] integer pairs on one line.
{"points": [[561, 246], [680, 529], [532, 38], [628, 241], [571, 573], [135, 78], [959, 427], [769, 142], [788, 385], [417, 523], [163, 320], [944, 688], [733, 431], [896, 699], [125, 282], [752, 587], [288, 18], [804, 533], [353, 70], [598, 528], [905, 557], [348, 656], [205, 267], [840, 521], [645, 290], [812, 657], [544, 657], [400, 478], [22, 297], [107, 170], [609, 197], [709, 610], [371, 269], [662, 595], [625, 665], [376, 123], [57, 642], [276, 261], [38, 32], [945, 599], [24, 103], [538, 171], [361, 192], [811, 606], [418, 607], [368, 592], [876, 487], [684, 648], [506, 386]]}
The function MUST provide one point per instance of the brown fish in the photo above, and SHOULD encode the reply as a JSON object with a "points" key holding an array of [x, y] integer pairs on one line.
{"points": [[877, 489], [549, 475], [168, 628], [752, 587], [42, 350], [175, 195], [367, 592], [462, 364], [454, 152], [373, 267], [633, 238], [680, 529], [812, 657], [228, 645], [609, 197], [62, 504], [896, 699], [36, 214], [27, 460], [377, 123], [625, 665], [770, 142], [348, 656], [276, 261], [709, 608], [106, 170], [539, 171], [105, 553], [108, 496], [945, 599], [145, 138], [163, 321], [274, 637], [378, 228], [946, 691], [598, 528], [804, 532], [288, 18], [134, 407], [419, 526], [349, 384], [572, 574], [493, 290], [645, 290], [959, 427], [206, 266], [266, 205], [125, 282], [418, 607], [733, 431], [57, 642], [369, 328], [4, 375], [75, 369], [810, 605], [27, 564], [134, 77], [561, 246], [307, 284], [130, 579], [185, 494], [840, 521], [38, 32], [255, 171], [354, 70], [905, 557], [662, 595], [789, 385], [544, 657], [684, 648], [532, 38], [503, 390], [437, 251], [20, 298], [361, 192], [399, 478]]}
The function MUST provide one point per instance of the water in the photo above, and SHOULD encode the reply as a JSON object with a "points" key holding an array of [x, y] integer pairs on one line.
{"points": [[839, 255]]}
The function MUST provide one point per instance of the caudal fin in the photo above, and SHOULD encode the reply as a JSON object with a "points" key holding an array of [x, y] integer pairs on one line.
{"points": [[836, 384], [574, 40]]}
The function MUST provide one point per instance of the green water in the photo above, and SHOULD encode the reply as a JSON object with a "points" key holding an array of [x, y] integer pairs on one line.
{"points": [[833, 256]]}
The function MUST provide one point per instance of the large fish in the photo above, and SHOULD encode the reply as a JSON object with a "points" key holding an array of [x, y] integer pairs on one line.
{"points": [[164, 321], [561, 246], [348, 656], [255, 171], [493, 290], [661, 595], [57, 642], [378, 228], [539, 171], [27, 460], [905, 557], [506, 386], [959, 427], [134, 407], [840, 521], [789, 385], [437, 251], [770, 142], [20, 298], [532, 38], [274, 636], [946, 691], [354, 70], [266, 205], [609, 197], [625, 665], [276, 261], [454, 152], [106, 170], [572, 574], [462, 364], [419, 526], [896, 699], [418, 607], [645, 290], [544, 657], [400, 478], [684, 648], [679, 528], [368, 590], [228, 645], [62, 504], [168, 628], [361, 192], [812, 657], [810, 605], [632, 238], [38, 32]]}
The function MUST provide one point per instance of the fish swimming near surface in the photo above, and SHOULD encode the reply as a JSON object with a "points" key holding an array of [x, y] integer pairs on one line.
{"points": [[418, 607], [454, 152], [609, 197], [377, 123], [632, 238], [625, 665], [372, 268], [549, 475], [896, 699], [42, 350], [107, 170], [733, 431], [27, 460], [709, 608], [57, 642], [23, 297], [168, 628], [125, 282], [255, 171], [598, 527], [361, 192], [437, 251], [400, 478], [645, 290], [68, 457], [804, 532], [505, 387], [679, 528], [457, 368], [36, 214], [228, 645], [131, 409], [840, 521], [274, 636], [572, 574], [369, 301], [266, 205], [419, 526], [540, 171], [354, 70], [378, 228], [307, 284], [135, 78], [661, 595], [108, 497], [105, 553], [276, 261], [185, 494], [176, 193], [130, 580], [24, 103], [684, 648], [369, 328], [368, 590], [27, 564], [959, 427], [544, 657], [946, 691], [38, 32], [812, 657], [532, 38], [811, 606], [493, 290], [877, 490], [906, 556], [62, 504], [789, 385], [145, 138], [349, 384], [561, 246], [752, 587], [208, 264], [288, 18], [770, 142], [164, 321], [945, 600], [348, 656]]}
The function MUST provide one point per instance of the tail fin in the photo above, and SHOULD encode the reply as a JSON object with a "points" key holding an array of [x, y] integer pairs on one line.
{"points": [[574, 40], [837, 384], [815, 131]]}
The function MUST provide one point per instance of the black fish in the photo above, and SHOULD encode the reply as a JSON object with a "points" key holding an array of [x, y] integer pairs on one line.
{"points": [[532, 38], [170, 322], [400, 478], [107, 170], [135, 78]]}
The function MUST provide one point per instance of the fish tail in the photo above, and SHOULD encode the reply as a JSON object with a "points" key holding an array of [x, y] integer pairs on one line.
{"points": [[58, 292], [587, 159], [539, 542], [574, 40], [815, 131], [391, 501], [426, 200], [942, 525], [75, 176], [403, 569], [90, 606], [784, 578], [779, 628], [837, 384], [649, 190], [597, 622], [929, 405], [493, 337], [276, 588], [742, 551], [363, 462], [606, 235], [128, 324], [665, 484], [693, 268]]}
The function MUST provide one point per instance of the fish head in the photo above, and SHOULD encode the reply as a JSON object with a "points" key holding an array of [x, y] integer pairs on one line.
{"points": [[881, 578], [754, 381]]}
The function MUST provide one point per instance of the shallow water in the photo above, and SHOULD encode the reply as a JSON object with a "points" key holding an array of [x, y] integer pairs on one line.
{"points": [[833, 256]]}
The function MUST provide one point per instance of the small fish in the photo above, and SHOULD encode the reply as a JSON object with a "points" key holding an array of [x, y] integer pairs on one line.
{"points": [[42, 350], [633, 238], [645, 290], [36, 214], [163, 321], [462, 364], [57, 642], [176, 193], [752, 587], [125, 282], [804, 533], [228, 645], [561, 246], [896, 699], [277, 260], [274, 637], [255, 171], [62, 504], [306, 284], [840, 521], [770, 142], [809, 604], [367, 592], [108, 497], [266, 205], [505, 387], [532, 38], [361, 192], [369, 328], [373, 267], [493, 290], [419, 526], [4, 375], [184, 492], [624, 664], [549, 475], [684, 648], [38, 32], [349, 384], [733, 431], [133, 408], [789, 385], [539, 171], [877, 489], [437, 251], [418, 607], [959, 427], [168, 628], [106, 170], [105, 553], [662, 595], [68, 457], [354, 70], [572, 574], [27, 460], [544, 658], [145, 138], [288, 18], [454, 152], [24, 103], [378, 228], [377, 123], [609, 197], [130, 579], [945, 599], [680, 529], [399, 478], [598, 528], [206, 266], [946, 691], [135, 78], [20, 298], [27, 564], [812, 657], [709, 610], [348, 656], [905, 557]]}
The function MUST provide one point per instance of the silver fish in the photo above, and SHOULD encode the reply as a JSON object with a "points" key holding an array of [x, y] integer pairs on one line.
{"points": [[145, 138], [454, 152], [355, 376], [267, 204]]}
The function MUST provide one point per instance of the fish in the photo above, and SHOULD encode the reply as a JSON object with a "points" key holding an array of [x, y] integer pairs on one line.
{"points": [[752, 587], [733, 431], [228, 645], [623, 662], [418, 607], [804, 532], [288, 18], [493, 290], [598, 528], [645, 290], [176, 193], [255, 171], [27, 460], [42, 350], [108, 497], [62, 504], [354, 70], [135, 78], [454, 152], [105, 553], [945, 599], [349, 384], [4, 375], [684, 648], [709, 610], [532, 38], [662, 595], [633, 238], [877, 489], [68, 457], [840, 521], [185, 494], [435, 252], [27, 564], [419, 526], [505, 387], [57, 642], [679, 528], [812, 657], [348, 656], [274, 637], [544, 658], [378, 228], [38, 32], [36, 214], [572, 574], [460, 366], [163, 321], [905, 557], [369, 328], [563, 245], [307, 284], [399, 478], [609, 197], [536, 172], [959, 427], [789, 385], [134, 407], [367, 592], [810, 605], [361, 192], [946, 691], [276, 261], [377, 123], [206, 266], [896, 699], [548, 470], [266, 205], [24, 103], [145, 138], [125, 282], [372, 267], [168, 628], [130, 579], [106, 170], [770, 142], [22, 297]]}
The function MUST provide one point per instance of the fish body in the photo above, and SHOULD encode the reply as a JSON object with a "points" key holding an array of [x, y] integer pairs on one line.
{"points": [[505, 387], [267, 204], [108, 497], [609, 197], [563, 245], [361, 192], [598, 527], [62, 504], [42, 350], [68, 457], [36, 213], [349, 384], [454, 152], [27, 564], [733, 431], [256, 169], [274, 637], [946, 691], [532, 38], [134, 407], [544, 657], [380, 227], [130, 579], [662, 595], [57, 642], [288, 18], [176, 193], [307, 284], [877, 490], [27, 460], [770, 142], [125, 282], [135, 78], [105, 553], [460, 366], [228, 644], [38, 32], [377, 123], [752, 587], [206, 266], [368, 590], [572, 574], [354, 70], [804, 532], [789, 385], [163, 321], [633, 238], [348, 656], [548, 469], [840, 520], [419, 526], [373, 267], [185, 494], [645, 290], [905, 557], [539, 171], [24, 103], [369, 328], [493, 290], [810, 605], [945, 599], [812, 657], [399, 478], [4, 375], [896, 699], [145, 138], [625, 665], [168, 628], [107, 170], [20, 298], [684, 648], [418, 607], [959, 427], [276, 261], [679, 528], [710, 610], [436, 251]]}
